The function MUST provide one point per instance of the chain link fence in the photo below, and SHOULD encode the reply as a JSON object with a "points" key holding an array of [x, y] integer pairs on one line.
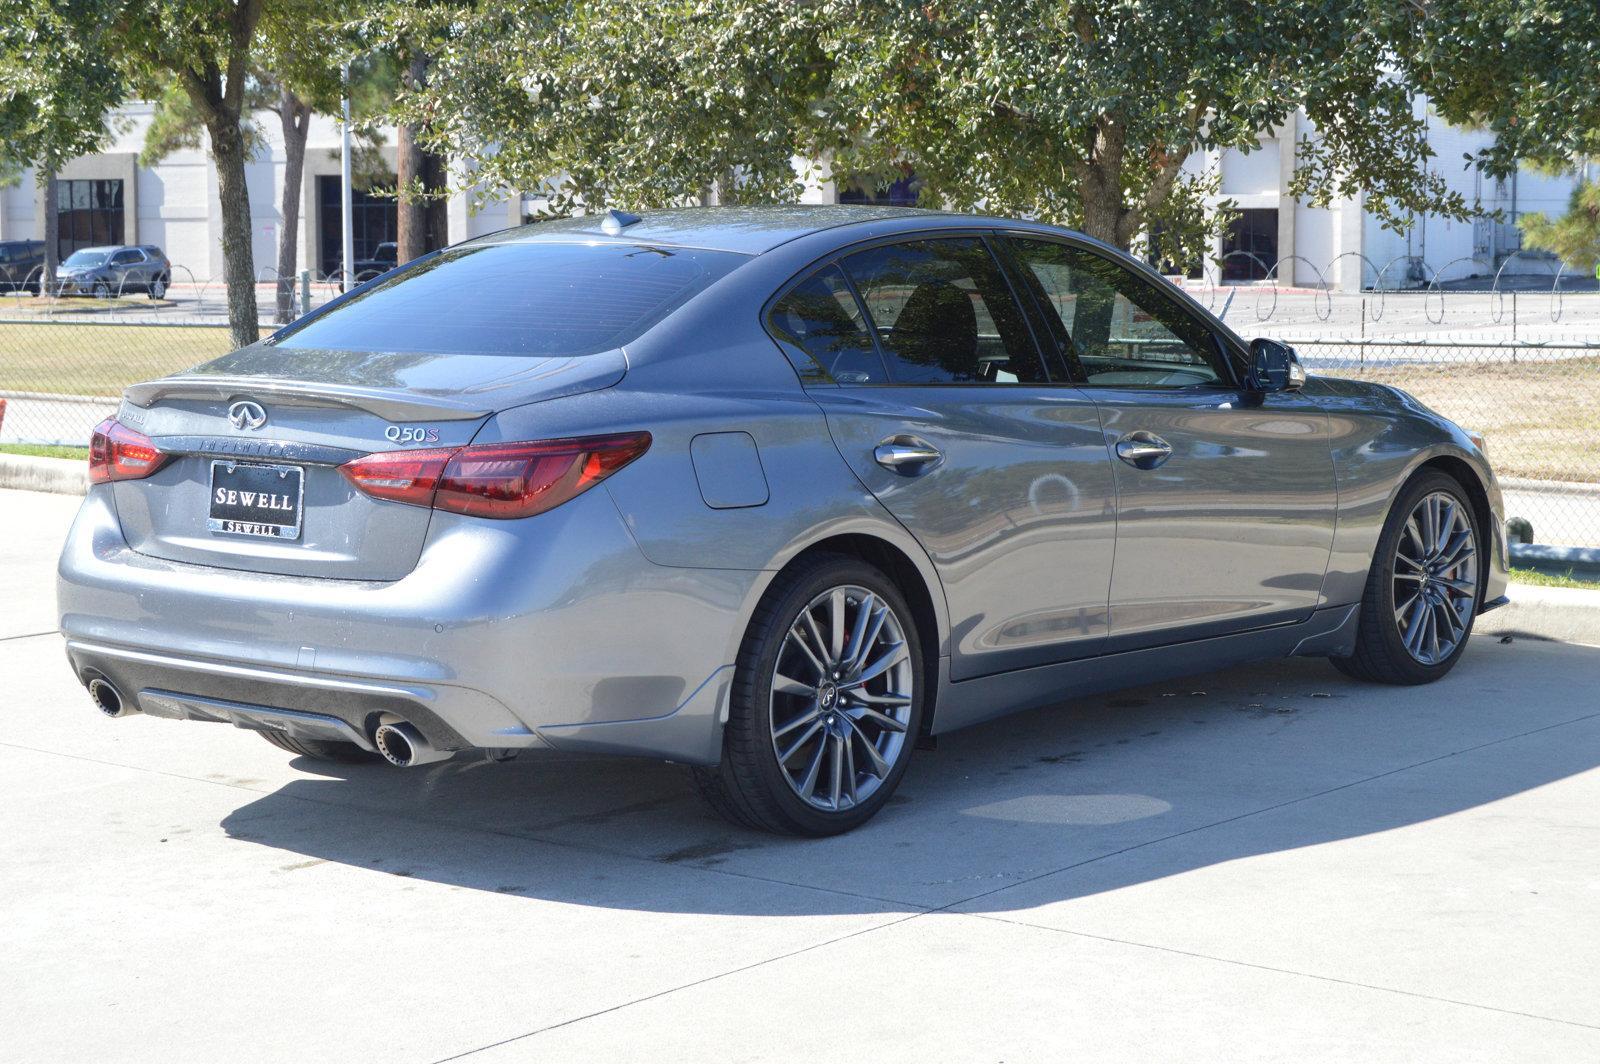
{"points": [[1521, 367]]}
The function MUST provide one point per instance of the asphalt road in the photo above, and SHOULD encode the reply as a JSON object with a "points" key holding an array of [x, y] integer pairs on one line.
{"points": [[1270, 864]]}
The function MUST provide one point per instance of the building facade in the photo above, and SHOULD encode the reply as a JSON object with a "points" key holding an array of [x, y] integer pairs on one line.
{"points": [[109, 198]]}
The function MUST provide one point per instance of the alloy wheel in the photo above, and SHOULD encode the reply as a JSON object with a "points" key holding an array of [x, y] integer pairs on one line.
{"points": [[842, 692], [1435, 577]]}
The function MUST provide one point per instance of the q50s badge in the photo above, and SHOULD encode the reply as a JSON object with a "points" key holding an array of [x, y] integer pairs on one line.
{"points": [[411, 434]]}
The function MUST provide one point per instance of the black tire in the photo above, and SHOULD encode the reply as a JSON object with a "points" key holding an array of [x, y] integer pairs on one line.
{"points": [[157, 288], [749, 786], [1380, 654], [319, 749]]}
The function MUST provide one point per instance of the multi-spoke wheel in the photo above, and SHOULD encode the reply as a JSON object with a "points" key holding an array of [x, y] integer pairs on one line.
{"points": [[826, 703], [1435, 578], [841, 698], [1423, 591]]}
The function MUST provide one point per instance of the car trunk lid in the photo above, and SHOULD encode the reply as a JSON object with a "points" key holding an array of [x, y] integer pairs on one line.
{"points": [[291, 511]]}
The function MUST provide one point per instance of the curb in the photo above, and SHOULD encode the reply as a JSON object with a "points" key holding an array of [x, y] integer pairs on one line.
{"points": [[1565, 614], [25, 472], [1583, 561]]}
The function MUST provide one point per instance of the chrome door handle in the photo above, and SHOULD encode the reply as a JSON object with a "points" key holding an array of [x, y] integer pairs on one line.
{"points": [[906, 455], [1143, 450]]}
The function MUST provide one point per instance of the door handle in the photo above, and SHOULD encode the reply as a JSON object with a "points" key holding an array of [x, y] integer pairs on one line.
{"points": [[906, 455], [1143, 450]]}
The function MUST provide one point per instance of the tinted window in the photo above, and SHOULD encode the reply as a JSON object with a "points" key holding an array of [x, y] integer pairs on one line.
{"points": [[1117, 327], [517, 299], [123, 258], [820, 328], [944, 314]]}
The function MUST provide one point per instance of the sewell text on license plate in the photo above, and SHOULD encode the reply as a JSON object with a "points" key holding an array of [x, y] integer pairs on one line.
{"points": [[256, 500]]}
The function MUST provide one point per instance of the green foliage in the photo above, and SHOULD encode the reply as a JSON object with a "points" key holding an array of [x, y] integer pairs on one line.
{"points": [[175, 125], [594, 104], [1574, 238], [56, 83], [1527, 70], [1066, 110], [1085, 112]]}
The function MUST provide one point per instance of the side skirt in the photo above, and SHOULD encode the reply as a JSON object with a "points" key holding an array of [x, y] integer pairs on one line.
{"points": [[1326, 632]]}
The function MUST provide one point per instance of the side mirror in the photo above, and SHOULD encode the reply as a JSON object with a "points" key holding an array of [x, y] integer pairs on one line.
{"points": [[1274, 367]]}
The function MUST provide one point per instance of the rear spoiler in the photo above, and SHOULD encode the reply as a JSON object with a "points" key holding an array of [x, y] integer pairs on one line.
{"points": [[384, 404]]}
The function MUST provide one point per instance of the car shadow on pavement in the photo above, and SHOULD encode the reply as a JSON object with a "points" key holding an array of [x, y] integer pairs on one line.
{"points": [[1073, 800]]}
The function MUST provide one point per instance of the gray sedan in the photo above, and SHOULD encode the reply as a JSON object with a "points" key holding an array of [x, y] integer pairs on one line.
{"points": [[775, 493]]}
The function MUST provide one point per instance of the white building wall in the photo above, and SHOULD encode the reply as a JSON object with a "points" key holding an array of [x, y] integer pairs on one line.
{"points": [[174, 205], [1253, 173]]}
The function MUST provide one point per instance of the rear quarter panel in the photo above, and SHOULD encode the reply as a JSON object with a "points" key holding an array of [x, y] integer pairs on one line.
{"points": [[711, 368]]}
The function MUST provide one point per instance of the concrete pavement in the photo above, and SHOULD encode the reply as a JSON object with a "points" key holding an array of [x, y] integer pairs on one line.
{"points": [[1274, 863]]}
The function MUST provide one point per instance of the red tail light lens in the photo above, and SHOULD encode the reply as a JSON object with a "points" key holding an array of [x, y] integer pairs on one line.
{"points": [[403, 476], [116, 452], [500, 480]]}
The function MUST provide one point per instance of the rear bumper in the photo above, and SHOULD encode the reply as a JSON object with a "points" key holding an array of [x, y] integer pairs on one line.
{"points": [[551, 631]]}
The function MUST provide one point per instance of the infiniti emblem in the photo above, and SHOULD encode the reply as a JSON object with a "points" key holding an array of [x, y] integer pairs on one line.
{"points": [[247, 415]]}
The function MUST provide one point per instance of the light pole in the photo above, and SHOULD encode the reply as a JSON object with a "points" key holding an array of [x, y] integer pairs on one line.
{"points": [[346, 192]]}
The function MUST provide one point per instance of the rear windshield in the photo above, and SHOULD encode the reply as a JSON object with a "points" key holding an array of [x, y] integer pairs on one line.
{"points": [[517, 299]]}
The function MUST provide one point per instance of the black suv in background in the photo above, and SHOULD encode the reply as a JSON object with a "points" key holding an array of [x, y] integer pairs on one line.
{"points": [[108, 272], [21, 265]]}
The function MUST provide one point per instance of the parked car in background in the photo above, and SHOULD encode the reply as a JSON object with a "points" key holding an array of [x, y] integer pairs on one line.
{"points": [[21, 265], [384, 257], [774, 493], [109, 272]]}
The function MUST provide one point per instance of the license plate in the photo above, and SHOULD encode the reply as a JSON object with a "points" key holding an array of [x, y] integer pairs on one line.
{"points": [[256, 500]]}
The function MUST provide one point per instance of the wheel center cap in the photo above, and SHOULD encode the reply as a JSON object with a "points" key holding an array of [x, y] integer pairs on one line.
{"points": [[827, 694]]}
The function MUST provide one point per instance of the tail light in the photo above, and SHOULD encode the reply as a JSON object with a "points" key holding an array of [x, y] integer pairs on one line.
{"points": [[116, 452], [500, 480]]}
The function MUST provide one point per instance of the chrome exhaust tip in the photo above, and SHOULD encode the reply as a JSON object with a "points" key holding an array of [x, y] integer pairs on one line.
{"points": [[108, 700], [403, 745]]}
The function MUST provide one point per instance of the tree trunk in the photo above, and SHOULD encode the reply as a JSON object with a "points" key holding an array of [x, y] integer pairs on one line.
{"points": [[296, 117], [412, 236], [238, 264], [1104, 216], [52, 234], [436, 179]]}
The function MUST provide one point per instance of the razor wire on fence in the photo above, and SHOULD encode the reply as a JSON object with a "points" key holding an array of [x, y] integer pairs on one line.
{"points": [[1520, 366]]}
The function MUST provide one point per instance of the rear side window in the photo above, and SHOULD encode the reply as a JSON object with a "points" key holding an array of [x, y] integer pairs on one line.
{"points": [[944, 314], [517, 299], [820, 328]]}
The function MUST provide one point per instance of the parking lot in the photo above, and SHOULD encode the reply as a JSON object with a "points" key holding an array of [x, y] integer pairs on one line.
{"points": [[1273, 863]]}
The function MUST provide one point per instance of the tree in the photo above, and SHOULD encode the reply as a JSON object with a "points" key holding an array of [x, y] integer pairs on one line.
{"points": [[1574, 238], [1526, 70], [297, 78], [57, 90], [592, 104], [206, 47], [1083, 112]]}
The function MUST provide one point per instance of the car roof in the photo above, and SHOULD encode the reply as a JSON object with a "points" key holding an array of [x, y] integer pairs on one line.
{"points": [[746, 230]]}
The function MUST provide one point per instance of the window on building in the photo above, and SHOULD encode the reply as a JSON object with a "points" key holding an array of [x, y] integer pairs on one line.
{"points": [[89, 213], [376, 220], [1250, 246], [900, 193]]}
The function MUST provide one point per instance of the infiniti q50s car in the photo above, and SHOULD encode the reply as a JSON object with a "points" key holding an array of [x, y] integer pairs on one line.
{"points": [[774, 493]]}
